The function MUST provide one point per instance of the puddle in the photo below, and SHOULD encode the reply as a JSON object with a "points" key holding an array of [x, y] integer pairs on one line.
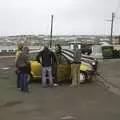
{"points": [[11, 104], [5, 68], [68, 118]]}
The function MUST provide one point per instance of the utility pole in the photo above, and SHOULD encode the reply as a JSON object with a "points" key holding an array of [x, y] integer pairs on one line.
{"points": [[112, 22], [51, 31], [111, 35]]}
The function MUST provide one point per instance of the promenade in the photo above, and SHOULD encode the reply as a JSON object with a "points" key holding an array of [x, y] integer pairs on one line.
{"points": [[87, 102]]}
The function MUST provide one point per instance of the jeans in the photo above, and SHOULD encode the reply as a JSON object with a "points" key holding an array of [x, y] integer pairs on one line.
{"points": [[18, 80], [44, 71], [24, 82]]}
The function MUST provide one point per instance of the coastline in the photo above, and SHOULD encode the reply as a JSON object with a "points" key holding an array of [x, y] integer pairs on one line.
{"points": [[11, 51]]}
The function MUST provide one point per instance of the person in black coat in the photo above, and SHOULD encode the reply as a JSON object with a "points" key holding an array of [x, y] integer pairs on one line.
{"points": [[47, 60]]}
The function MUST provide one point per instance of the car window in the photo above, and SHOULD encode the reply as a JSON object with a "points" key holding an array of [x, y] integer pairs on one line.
{"points": [[63, 60]]}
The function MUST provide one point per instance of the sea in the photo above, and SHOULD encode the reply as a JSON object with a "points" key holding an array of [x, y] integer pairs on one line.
{"points": [[14, 48]]}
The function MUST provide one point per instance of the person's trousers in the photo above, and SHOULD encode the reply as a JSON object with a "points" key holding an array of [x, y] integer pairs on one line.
{"points": [[44, 72], [18, 80], [24, 82], [75, 73], [58, 73], [58, 57]]}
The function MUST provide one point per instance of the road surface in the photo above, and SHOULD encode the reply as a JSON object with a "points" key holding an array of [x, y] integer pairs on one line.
{"points": [[87, 102]]}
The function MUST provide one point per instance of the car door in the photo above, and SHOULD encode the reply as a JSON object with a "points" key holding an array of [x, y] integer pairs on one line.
{"points": [[35, 66], [64, 69]]}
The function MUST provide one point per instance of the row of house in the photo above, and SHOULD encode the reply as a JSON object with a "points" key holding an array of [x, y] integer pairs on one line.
{"points": [[41, 39]]}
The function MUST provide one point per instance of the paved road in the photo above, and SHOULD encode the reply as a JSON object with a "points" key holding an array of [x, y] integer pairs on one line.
{"points": [[109, 70], [88, 102]]}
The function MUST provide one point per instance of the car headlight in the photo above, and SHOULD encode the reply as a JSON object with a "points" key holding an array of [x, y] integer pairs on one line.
{"points": [[93, 63]]}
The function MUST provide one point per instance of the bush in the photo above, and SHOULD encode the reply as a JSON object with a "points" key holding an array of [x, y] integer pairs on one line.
{"points": [[107, 52], [116, 53]]}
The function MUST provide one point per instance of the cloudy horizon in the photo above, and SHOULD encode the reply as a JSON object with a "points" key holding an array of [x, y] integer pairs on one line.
{"points": [[71, 17]]}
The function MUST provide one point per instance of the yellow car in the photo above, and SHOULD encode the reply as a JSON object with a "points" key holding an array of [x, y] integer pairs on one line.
{"points": [[36, 68], [86, 69]]}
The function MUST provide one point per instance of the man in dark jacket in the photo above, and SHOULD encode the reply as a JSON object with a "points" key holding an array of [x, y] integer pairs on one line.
{"points": [[47, 58], [58, 51]]}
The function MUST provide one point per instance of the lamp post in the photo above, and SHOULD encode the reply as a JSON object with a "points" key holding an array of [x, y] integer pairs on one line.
{"points": [[111, 35], [51, 31], [112, 22]]}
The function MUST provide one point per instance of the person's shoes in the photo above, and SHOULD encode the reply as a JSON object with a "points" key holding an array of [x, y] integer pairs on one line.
{"points": [[19, 89], [55, 85]]}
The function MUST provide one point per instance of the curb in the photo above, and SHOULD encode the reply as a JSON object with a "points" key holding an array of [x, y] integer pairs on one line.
{"points": [[109, 86]]}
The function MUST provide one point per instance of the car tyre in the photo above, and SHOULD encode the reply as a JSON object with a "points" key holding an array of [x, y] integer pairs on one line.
{"points": [[82, 78]]}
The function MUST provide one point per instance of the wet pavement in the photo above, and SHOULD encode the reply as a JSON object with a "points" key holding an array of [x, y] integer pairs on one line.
{"points": [[87, 102], [109, 70]]}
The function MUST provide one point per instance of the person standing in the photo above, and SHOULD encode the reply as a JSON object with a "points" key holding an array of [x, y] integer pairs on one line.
{"points": [[19, 50], [22, 62], [47, 59], [58, 51], [75, 66]]}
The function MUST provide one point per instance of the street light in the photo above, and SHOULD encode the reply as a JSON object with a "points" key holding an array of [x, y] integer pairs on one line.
{"points": [[51, 31], [112, 22]]}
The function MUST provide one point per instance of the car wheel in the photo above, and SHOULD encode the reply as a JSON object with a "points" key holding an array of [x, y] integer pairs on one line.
{"points": [[82, 78]]}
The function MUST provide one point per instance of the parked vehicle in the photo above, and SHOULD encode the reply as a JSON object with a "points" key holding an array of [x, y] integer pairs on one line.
{"points": [[87, 67]]}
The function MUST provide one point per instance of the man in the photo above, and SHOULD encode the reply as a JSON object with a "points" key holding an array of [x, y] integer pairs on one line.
{"points": [[75, 66], [47, 58], [22, 62], [58, 51]]}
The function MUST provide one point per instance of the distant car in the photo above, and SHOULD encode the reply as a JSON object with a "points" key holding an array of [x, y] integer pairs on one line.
{"points": [[86, 69]]}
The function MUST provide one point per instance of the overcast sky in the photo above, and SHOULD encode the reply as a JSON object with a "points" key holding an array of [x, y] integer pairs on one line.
{"points": [[74, 17]]}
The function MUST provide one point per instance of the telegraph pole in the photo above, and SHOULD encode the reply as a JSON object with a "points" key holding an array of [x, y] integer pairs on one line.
{"points": [[51, 31], [112, 21]]}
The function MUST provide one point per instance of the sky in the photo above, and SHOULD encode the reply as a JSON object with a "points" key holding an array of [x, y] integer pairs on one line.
{"points": [[71, 17]]}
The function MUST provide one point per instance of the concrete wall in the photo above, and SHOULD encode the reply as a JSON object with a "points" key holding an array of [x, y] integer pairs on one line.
{"points": [[117, 47]]}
